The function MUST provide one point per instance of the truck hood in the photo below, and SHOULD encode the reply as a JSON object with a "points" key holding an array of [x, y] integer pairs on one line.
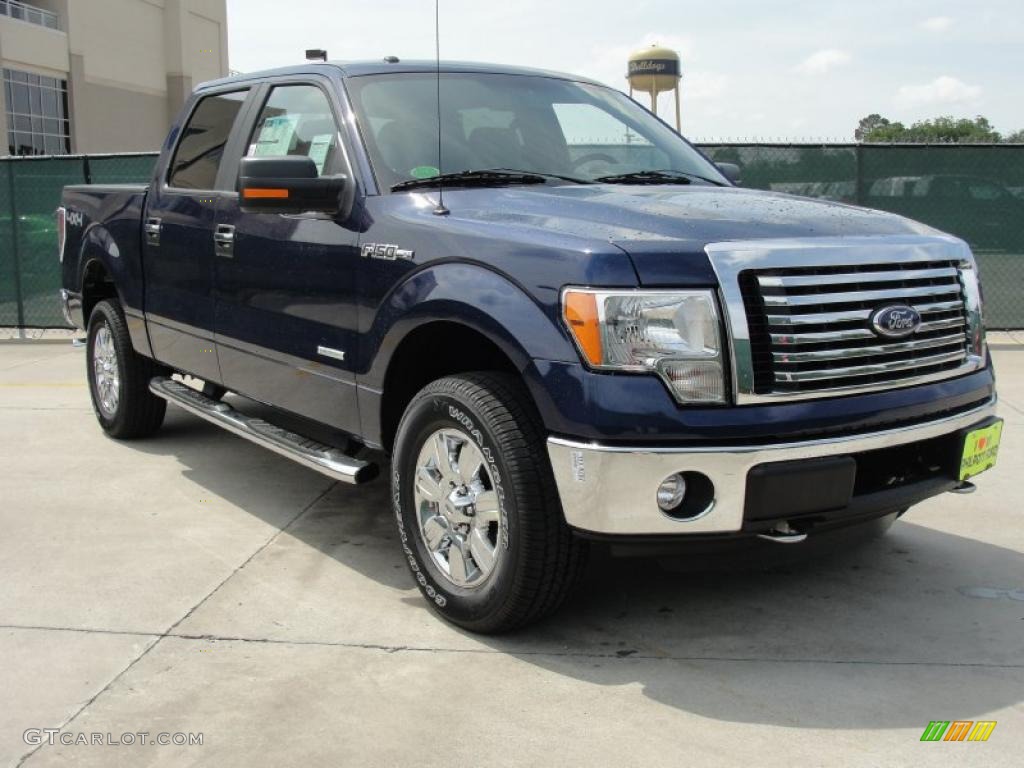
{"points": [[664, 228]]}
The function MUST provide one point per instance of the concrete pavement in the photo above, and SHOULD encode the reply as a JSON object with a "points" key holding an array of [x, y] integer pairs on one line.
{"points": [[193, 582]]}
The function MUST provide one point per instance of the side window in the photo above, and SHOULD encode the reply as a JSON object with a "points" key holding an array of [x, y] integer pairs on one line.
{"points": [[950, 188], [297, 120], [985, 190], [202, 141]]}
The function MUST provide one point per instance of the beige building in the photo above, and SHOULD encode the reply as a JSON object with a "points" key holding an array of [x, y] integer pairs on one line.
{"points": [[103, 75]]}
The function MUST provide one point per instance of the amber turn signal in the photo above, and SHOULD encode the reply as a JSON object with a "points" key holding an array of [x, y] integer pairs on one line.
{"points": [[580, 311], [252, 192]]}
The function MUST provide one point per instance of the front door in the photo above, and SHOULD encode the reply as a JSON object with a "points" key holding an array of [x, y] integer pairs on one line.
{"points": [[178, 239], [285, 311]]}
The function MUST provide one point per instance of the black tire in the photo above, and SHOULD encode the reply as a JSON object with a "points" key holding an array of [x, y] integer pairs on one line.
{"points": [[540, 559], [137, 412]]}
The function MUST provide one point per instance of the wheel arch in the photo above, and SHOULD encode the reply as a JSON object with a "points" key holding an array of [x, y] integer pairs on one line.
{"points": [[97, 284], [107, 272], [450, 306], [427, 353]]}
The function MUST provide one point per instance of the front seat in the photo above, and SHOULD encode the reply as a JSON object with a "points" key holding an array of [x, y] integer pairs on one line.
{"points": [[496, 148], [403, 147]]}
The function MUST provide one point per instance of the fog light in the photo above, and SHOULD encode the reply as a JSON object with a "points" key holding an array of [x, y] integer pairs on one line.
{"points": [[671, 492]]}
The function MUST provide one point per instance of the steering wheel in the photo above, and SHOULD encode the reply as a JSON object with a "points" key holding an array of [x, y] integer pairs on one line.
{"points": [[592, 157]]}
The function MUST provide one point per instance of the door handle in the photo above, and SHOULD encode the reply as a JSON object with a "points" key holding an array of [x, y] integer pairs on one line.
{"points": [[153, 227], [224, 240]]}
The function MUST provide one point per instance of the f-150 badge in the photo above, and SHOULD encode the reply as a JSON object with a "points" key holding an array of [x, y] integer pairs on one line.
{"points": [[385, 251]]}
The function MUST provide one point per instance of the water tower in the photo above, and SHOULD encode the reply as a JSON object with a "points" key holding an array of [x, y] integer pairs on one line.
{"points": [[655, 70]]}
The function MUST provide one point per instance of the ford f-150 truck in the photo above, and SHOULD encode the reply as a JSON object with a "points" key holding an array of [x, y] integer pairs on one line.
{"points": [[549, 316]]}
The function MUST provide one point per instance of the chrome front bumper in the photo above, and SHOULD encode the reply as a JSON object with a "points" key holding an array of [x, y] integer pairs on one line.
{"points": [[612, 490]]}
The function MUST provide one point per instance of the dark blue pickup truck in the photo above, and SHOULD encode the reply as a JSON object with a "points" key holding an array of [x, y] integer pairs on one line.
{"points": [[545, 312]]}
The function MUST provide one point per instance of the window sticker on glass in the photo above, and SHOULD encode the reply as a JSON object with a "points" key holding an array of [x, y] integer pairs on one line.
{"points": [[275, 137], [318, 149]]}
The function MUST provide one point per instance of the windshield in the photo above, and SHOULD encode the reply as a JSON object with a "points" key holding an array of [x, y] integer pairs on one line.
{"points": [[514, 122]]}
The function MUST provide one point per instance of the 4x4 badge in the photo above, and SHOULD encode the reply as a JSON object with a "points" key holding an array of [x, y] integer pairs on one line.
{"points": [[385, 251]]}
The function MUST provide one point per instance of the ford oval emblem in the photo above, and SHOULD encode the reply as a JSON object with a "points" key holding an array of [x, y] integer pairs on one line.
{"points": [[896, 321]]}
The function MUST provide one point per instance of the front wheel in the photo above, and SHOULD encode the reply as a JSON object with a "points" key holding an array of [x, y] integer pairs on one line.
{"points": [[119, 377], [476, 505]]}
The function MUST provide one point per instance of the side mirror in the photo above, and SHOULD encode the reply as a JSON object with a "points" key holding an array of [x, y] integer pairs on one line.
{"points": [[731, 171], [288, 184]]}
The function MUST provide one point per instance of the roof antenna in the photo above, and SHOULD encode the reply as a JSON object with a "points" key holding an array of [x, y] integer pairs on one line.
{"points": [[440, 210]]}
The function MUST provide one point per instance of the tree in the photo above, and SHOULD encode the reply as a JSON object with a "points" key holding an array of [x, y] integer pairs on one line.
{"points": [[1017, 137], [886, 132], [870, 124], [875, 128]]}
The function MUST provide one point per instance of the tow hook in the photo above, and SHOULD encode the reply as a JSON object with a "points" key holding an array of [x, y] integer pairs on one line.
{"points": [[783, 533], [965, 487]]}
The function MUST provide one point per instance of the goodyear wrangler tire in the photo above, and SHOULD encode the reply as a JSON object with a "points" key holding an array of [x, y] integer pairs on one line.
{"points": [[477, 508], [119, 377]]}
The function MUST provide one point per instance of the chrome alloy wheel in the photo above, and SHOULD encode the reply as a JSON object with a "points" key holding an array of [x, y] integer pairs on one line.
{"points": [[457, 508], [105, 371]]}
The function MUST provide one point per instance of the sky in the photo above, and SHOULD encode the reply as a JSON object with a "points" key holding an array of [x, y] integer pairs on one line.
{"points": [[751, 70]]}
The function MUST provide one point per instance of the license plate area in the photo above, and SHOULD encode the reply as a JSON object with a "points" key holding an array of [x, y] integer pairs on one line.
{"points": [[980, 448]]}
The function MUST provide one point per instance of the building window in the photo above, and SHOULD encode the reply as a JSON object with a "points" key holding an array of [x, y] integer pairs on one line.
{"points": [[25, 12], [37, 114]]}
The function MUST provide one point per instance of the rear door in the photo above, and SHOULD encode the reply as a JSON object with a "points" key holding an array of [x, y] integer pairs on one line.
{"points": [[286, 283], [178, 243]]}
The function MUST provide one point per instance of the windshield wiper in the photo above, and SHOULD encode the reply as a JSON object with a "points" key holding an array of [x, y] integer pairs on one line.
{"points": [[656, 177], [471, 179], [572, 179]]}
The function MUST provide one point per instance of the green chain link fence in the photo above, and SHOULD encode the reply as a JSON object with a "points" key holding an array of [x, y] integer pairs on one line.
{"points": [[30, 190], [974, 191]]}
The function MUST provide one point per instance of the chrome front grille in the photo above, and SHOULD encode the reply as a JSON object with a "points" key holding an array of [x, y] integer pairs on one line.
{"points": [[799, 314], [810, 326]]}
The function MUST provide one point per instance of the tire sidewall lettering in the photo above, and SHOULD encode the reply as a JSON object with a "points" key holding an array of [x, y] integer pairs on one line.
{"points": [[410, 556], [499, 489], [449, 410]]}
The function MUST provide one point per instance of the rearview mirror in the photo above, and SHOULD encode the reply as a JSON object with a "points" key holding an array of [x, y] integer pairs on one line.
{"points": [[731, 171], [288, 184]]}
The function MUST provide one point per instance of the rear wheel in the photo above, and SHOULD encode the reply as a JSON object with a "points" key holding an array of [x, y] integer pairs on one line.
{"points": [[477, 507], [119, 377]]}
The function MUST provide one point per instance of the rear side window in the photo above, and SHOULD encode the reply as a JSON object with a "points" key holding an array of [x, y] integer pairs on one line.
{"points": [[202, 141], [297, 120]]}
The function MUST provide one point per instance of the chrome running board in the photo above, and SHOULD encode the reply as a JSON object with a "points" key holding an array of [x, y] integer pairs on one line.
{"points": [[325, 459]]}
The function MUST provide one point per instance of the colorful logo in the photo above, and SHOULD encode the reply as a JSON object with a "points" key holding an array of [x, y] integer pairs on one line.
{"points": [[958, 730]]}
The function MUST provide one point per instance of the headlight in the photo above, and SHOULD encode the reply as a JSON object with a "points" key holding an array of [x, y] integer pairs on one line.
{"points": [[674, 334]]}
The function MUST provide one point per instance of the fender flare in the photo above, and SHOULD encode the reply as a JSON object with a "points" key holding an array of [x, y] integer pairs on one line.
{"points": [[98, 247], [473, 296]]}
